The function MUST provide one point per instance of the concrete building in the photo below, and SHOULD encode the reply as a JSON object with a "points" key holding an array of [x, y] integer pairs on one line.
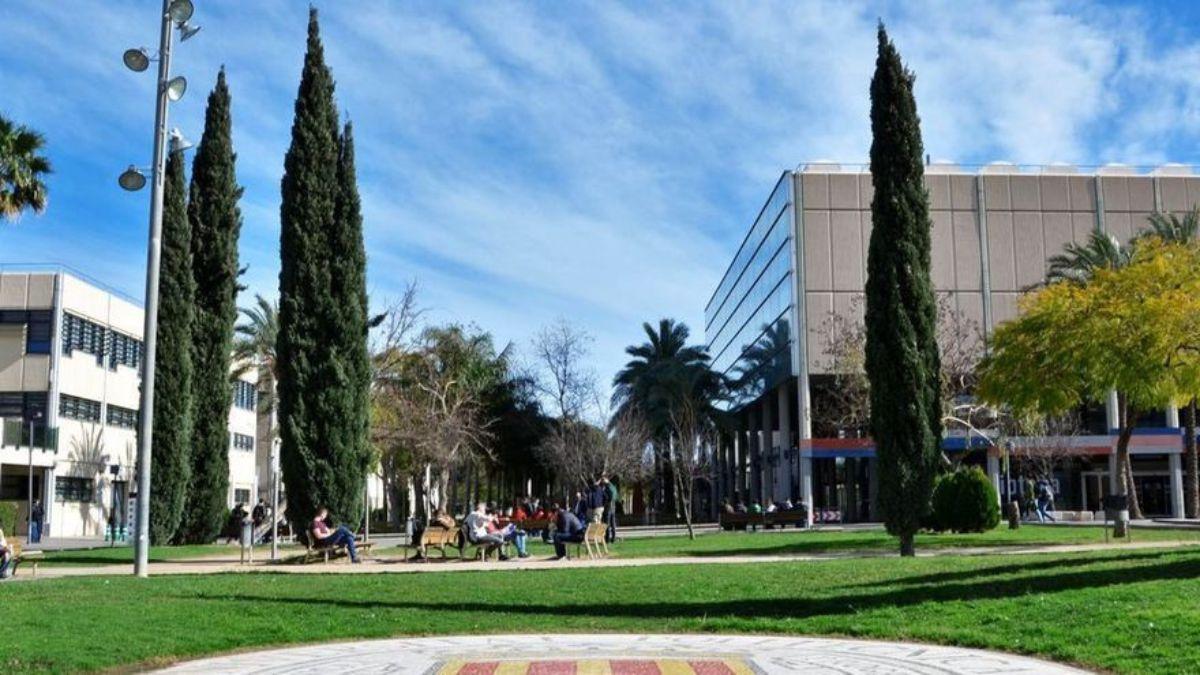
{"points": [[803, 263], [70, 353]]}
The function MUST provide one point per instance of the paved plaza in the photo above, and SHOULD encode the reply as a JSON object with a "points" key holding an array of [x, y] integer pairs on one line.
{"points": [[624, 655]]}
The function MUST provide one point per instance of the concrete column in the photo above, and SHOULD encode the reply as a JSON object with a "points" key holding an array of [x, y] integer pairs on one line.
{"points": [[1176, 469], [754, 448], [48, 491], [767, 471], [1173, 416], [786, 460], [743, 463], [993, 470]]}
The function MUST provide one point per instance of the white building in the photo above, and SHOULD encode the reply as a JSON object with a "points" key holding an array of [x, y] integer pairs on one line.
{"points": [[70, 352]]}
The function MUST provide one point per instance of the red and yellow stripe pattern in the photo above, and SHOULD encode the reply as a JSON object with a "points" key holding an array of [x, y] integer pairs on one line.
{"points": [[649, 666]]}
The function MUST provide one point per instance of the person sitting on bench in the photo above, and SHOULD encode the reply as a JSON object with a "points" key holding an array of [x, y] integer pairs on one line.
{"points": [[5, 556], [568, 530], [476, 524], [323, 537]]}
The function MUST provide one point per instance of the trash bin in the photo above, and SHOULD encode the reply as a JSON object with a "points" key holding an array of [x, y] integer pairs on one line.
{"points": [[247, 541]]}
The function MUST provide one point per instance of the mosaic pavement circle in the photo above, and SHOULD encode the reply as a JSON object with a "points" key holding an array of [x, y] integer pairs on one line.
{"points": [[623, 655]]}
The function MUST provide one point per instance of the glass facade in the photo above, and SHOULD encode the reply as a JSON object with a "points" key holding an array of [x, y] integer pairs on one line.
{"points": [[747, 323]]}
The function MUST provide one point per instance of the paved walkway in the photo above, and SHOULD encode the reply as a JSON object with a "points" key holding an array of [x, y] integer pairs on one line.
{"points": [[624, 655], [397, 565]]}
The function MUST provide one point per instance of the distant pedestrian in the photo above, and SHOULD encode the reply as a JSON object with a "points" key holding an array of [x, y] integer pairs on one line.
{"points": [[1045, 498], [610, 510], [37, 516]]}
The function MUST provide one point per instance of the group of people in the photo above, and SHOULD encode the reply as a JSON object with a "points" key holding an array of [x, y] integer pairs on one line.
{"points": [[239, 516], [1038, 499], [496, 529], [756, 507]]}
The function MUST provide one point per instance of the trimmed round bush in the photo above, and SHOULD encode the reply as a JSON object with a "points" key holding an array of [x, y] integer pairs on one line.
{"points": [[964, 501]]}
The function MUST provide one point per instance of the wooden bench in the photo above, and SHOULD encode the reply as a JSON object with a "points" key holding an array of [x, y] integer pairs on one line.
{"points": [[439, 538], [313, 551], [593, 541], [478, 551], [19, 556], [742, 521], [799, 518]]}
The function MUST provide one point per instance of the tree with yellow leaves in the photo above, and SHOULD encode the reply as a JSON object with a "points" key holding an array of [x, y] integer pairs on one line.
{"points": [[1134, 329]]}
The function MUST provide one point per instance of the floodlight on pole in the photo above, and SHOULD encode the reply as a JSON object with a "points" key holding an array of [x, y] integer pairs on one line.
{"points": [[136, 60], [180, 10], [176, 87], [187, 30], [132, 179]]}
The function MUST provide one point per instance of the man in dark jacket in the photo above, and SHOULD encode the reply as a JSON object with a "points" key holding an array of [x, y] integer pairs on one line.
{"points": [[568, 530], [596, 497], [36, 518]]}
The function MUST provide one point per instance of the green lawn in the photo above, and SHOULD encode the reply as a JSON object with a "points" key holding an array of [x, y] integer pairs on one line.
{"points": [[806, 542], [120, 555], [1126, 611]]}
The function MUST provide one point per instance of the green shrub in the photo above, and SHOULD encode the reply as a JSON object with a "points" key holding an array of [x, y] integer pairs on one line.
{"points": [[8, 517], [964, 501]]}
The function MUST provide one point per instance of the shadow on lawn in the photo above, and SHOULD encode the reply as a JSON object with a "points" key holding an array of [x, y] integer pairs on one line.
{"points": [[776, 607], [1016, 568]]}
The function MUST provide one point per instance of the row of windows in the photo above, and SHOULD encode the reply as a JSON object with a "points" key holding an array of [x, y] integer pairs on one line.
{"points": [[126, 418], [39, 327], [24, 405], [80, 334], [77, 408], [242, 442], [763, 227], [773, 266], [769, 319], [244, 395], [71, 489]]}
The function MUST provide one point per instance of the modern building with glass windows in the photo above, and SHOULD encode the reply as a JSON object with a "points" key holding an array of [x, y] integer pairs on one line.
{"points": [[803, 265], [70, 353]]}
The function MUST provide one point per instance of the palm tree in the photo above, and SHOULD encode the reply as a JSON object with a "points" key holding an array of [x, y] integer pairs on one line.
{"points": [[254, 347], [22, 170], [1078, 264], [650, 384], [1174, 229]]}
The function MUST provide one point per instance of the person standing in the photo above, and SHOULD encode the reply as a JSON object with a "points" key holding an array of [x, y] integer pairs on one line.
{"points": [[1045, 498], [610, 510], [37, 516], [596, 497]]}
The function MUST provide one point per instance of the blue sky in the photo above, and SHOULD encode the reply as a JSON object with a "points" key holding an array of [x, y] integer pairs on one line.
{"points": [[593, 161]]}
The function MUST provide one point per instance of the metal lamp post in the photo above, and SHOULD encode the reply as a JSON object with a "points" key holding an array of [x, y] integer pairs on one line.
{"points": [[175, 13], [33, 417]]}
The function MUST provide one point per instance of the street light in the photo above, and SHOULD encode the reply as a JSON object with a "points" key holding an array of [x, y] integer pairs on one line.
{"points": [[186, 31], [175, 14], [35, 416], [136, 60]]}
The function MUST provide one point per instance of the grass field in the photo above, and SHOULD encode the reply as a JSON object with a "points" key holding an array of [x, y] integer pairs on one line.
{"points": [[118, 555], [1125, 611], [798, 542]]}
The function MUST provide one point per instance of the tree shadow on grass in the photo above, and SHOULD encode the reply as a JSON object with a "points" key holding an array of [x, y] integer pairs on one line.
{"points": [[1014, 568], [766, 608]]}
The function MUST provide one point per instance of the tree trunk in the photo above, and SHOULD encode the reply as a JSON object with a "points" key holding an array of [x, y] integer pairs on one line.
{"points": [[908, 548], [1124, 466], [1192, 502]]}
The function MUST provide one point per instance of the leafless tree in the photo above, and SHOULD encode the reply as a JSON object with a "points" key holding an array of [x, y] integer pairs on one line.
{"points": [[578, 451], [560, 375], [693, 438]]}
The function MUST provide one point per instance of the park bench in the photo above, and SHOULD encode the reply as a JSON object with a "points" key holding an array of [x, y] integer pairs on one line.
{"points": [[478, 551], [314, 551], [782, 519], [742, 521], [439, 538], [20, 556], [593, 541]]}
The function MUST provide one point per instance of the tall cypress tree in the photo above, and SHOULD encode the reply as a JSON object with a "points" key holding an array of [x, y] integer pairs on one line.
{"points": [[901, 316], [349, 441], [216, 222], [171, 440], [320, 453]]}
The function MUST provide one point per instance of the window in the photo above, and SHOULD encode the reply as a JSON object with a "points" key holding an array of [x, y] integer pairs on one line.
{"points": [[241, 496], [39, 325], [79, 334], [71, 489], [122, 417], [126, 351], [23, 405], [243, 442], [76, 408], [244, 395]]}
